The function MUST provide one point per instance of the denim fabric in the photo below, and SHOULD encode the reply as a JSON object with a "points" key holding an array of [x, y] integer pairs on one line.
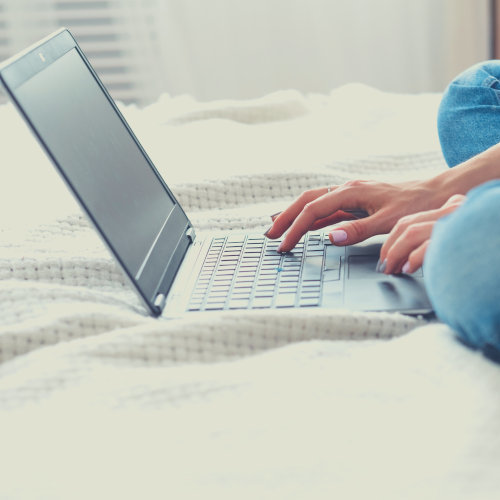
{"points": [[462, 269], [462, 263], [469, 115]]}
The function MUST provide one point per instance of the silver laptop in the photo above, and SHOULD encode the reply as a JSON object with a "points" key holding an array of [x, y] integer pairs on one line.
{"points": [[80, 128]]}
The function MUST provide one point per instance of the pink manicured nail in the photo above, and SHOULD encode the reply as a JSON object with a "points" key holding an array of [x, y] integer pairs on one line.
{"points": [[338, 236], [406, 267]]}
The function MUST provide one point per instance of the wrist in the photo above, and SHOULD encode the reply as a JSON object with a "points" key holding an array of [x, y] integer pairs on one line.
{"points": [[469, 174]]}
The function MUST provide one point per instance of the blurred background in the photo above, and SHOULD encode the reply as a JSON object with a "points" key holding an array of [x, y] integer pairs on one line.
{"points": [[213, 49]]}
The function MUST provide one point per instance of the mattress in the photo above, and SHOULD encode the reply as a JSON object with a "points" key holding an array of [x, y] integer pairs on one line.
{"points": [[99, 399]]}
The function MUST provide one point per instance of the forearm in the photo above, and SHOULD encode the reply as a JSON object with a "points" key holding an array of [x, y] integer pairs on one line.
{"points": [[469, 174]]}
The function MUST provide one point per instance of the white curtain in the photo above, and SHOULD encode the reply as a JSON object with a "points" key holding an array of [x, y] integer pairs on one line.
{"points": [[246, 48]]}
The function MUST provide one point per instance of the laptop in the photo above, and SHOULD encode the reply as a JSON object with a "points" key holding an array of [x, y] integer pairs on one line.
{"points": [[79, 126]]}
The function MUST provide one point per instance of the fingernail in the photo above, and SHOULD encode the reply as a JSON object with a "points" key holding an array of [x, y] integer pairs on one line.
{"points": [[275, 215], [406, 267], [265, 234], [279, 249], [338, 236], [381, 266]]}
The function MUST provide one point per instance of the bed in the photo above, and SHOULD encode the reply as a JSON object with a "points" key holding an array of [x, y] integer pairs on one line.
{"points": [[100, 400]]}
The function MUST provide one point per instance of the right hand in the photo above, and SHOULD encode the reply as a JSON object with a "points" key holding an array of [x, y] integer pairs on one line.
{"points": [[404, 249], [385, 204]]}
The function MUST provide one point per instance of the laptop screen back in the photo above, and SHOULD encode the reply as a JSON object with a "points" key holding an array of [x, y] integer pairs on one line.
{"points": [[105, 166], [102, 163]]}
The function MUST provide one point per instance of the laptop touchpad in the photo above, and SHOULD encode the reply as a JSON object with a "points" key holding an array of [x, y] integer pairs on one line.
{"points": [[362, 266]]}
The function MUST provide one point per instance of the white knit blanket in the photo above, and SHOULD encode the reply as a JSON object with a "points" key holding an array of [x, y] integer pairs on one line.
{"points": [[100, 400]]}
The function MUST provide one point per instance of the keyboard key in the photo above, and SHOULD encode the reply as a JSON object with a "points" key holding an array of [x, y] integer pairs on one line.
{"points": [[311, 284], [313, 243], [244, 280], [262, 302], [238, 303], [271, 282], [265, 287], [290, 257], [225, 272], [332, 257], [309, 302], [315, 252], [288, 284], [312, 268], [285, 300], [214, 307], [289, 279]]}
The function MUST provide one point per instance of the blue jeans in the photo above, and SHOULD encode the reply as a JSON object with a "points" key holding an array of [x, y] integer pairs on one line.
{"points": [[462, 263]]}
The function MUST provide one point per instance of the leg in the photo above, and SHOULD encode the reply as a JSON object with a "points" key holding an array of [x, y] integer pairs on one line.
{"points": [[469, 115], [462, 269]]}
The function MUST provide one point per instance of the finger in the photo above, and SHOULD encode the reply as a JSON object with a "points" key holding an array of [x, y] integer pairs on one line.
{"points": [[409, 240], [401, 226], [285, 219], [338, 216], [351, 232], [416, 258], [324, 206], [425, 216]]}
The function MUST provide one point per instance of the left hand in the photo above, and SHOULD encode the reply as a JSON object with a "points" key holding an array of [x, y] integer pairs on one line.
{"points": [[405, 247]]}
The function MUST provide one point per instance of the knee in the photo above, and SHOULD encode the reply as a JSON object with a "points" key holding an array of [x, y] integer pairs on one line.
{"points": [[482, 74], [468, 121], [462, 269]]}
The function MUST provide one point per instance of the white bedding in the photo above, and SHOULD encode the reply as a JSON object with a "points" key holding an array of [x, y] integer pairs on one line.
{"points": [[100, 400]]}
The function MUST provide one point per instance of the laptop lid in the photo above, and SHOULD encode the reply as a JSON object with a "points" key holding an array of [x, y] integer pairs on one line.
{"points": [[84, 134]]}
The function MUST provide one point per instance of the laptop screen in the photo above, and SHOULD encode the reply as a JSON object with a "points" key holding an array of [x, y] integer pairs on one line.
{"points": [[86, 136]]}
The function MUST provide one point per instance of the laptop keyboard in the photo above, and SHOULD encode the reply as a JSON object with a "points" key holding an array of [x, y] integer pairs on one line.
{"points": [[245, 272]]}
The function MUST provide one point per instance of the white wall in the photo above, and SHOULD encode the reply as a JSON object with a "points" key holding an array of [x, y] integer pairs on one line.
{"points": [[244, 48]]}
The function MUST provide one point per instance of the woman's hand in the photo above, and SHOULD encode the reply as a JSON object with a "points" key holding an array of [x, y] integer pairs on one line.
{"points": [[405, 247], [385, 204]]}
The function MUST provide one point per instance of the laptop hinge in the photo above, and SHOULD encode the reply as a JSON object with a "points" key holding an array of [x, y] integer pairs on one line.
{"points": [[160, 301], [190, 234]]}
